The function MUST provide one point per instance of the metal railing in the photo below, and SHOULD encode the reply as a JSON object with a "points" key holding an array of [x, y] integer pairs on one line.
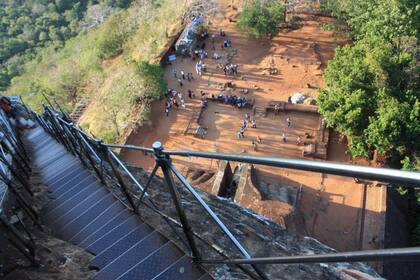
{"points": [[98, 156], [14, 186]]}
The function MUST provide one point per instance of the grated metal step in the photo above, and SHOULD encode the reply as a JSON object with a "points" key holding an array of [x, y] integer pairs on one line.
{"points": [[151, 266], [88, 185], [71, 178], [121, 245], [60, 219], [79, 185], [114, 235], [103, 230], [113, 210], [58, 171], [72, 197], [72, 228], [131, 257]]}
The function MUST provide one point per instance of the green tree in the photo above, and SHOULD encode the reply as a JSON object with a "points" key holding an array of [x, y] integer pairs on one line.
{"points": [[261, 18], [372, 87]]}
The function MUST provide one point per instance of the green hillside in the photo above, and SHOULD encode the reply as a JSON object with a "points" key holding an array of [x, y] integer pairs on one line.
{"points": [[28, 26]]}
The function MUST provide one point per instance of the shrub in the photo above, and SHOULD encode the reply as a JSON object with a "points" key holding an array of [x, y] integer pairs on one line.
{"points": [[260, 18], [154, 80]]}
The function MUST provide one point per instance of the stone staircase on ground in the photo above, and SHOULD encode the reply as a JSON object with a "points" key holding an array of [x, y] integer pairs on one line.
{"points": [[260, 112], [85, 213]]}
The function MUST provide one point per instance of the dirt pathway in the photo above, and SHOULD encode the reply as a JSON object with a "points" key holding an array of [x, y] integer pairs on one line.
{"points": [[330, 205]]}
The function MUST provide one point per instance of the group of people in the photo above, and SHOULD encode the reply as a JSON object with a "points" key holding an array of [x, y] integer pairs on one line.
{"points": [[201, 53], [247, 122], [299, 139], [200, 67], [174, 99], [237, 101], [182, 76], [231, 69]]}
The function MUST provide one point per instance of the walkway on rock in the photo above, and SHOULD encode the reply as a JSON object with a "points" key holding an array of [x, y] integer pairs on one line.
{"points": [[84, 212]]}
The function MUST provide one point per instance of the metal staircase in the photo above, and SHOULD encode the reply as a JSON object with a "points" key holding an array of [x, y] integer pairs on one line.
{"points": [[84, 212]]}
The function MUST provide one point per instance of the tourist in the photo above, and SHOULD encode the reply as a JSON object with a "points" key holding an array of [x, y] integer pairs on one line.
{"points": [[254, 123], [176, 103], [259, 140], [284, 137], [238, 135], [289, 122], [183, 103], [222, 32], [276, 109], [242, 131], [191, 76], [225, 70], [174, 72], [189, 94], [254, 145], [167, 111], [182, 74], [213, 40], [180, 82], [299, 140], [180, 95]]}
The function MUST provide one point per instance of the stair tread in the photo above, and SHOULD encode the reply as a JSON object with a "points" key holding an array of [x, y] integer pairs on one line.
{"points": [[70, 229], [67, 200], [131, 257], [100, 220], [89, 184], [69, 179], [113, 235], [154, 264], [120, 246], [110, 225], [63, 218]]}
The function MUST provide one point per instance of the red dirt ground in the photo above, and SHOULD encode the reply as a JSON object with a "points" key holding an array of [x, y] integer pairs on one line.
{"points": [[330, 205]]}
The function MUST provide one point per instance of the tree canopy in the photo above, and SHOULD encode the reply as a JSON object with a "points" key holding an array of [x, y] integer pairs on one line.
{"points": [[26, 26], [261, 18], [372, 91], [372, 87]]}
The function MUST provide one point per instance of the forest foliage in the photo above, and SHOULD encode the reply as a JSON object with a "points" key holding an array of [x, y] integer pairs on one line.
{"points": [[261, 18], [113, 65], [372, 92], [27, 26], [372, 86]]}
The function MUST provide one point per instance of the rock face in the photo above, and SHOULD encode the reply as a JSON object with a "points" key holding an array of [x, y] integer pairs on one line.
{"points": [[259, 235]]}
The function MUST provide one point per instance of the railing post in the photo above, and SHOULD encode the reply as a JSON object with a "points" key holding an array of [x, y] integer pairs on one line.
{"points": [[117, 174], [58, 133], [76, 146], [88, 155], [162, 162], [30, 253]]}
